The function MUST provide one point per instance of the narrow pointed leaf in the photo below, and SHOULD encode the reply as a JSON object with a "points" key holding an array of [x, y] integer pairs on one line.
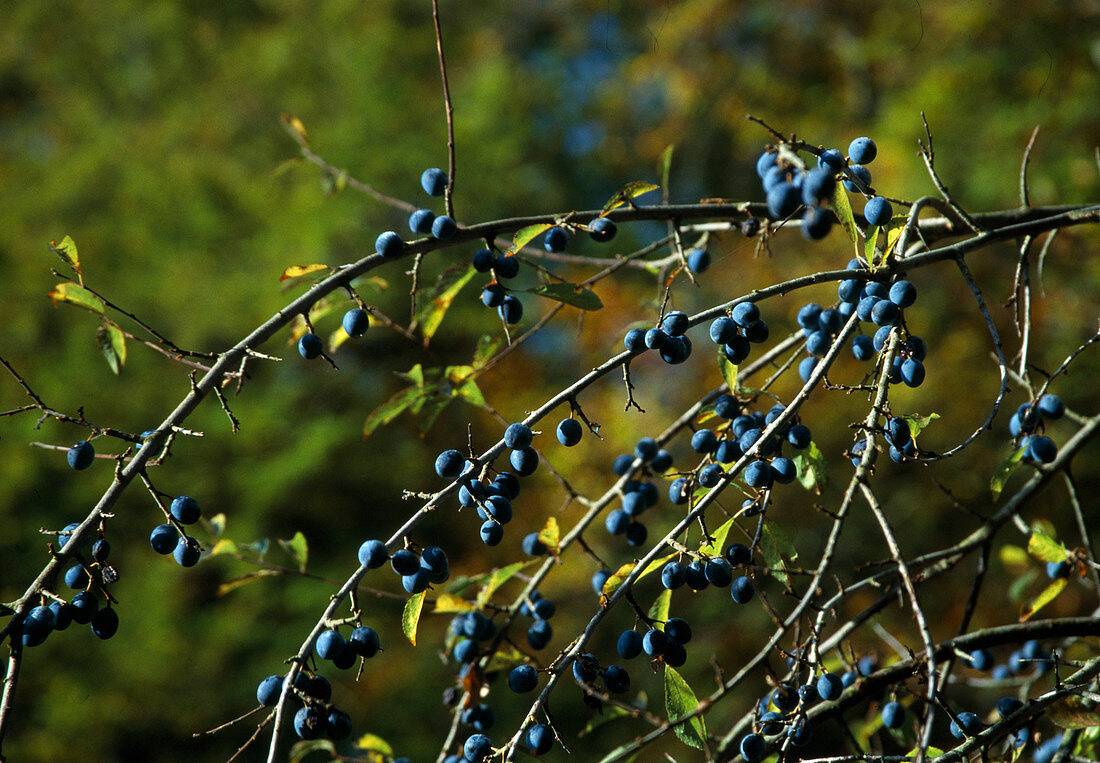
{"points": [[1000, 476], [252, 577], [107, 347], [729, 371], [297, 271], [659, 610], [576, 296], [1046, 597], [410, 618], [486, 348], [448, 602], [497, 578], [1045, 548], [303, 749], [524, 235], [843, 210], [431, 315], [627, 192], [390, 409]]}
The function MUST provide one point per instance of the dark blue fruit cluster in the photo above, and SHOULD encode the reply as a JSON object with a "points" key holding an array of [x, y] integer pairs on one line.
{"points": [[900, 439], [425, 221], [637, 494], [316, 715], [503, 266], [1028, 420], [668, 338], [703, 572], [342, 652], [169, 538], [541, 609], [493, 501], [737, 332]]}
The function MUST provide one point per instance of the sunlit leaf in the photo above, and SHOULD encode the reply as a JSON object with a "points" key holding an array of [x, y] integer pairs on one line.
{"points": [[1000, 476], [303, 748], [659, 610], [1014, 557], [410, 618], [576, 296], [217, 524], [1045, 548], [504, 657], [374, 743], [251, 577], [679, 701], [718, 544], [871, 235], [843, 210], [811, 466], [497, 578], [431, 315], [894, 231], [111, 340], [471, 393], [729, 371], [917, 422], [1046, 597], [550, 534], [298, 549], [1019, 587], [447, 602], [524, 235], [627, 192], [666, 165], [66, 250], [76, 295], [1072, 712], [612, 583], [297, 271], [486, 348], [223, 546], [390, 409], [777, 549]]}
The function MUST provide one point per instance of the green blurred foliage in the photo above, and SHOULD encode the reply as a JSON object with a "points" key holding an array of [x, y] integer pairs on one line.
{"points": [[149, 132]]}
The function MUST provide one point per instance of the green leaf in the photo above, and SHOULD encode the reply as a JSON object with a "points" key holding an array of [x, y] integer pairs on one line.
{"points": [[471, 393], [66, 250], [893, 233], [1018, 589], [1000, 476], [448, 286], [612, 583], [217, 524], [414, 375], [659, 610], [303, 748], [1046, 597], [1045, 548], [718, 544], [431, 407], [497, 578], [486, 348], [251, 577], [410, 618], [1014, 557], [390, 409], [374, 743], [76, 295], [627, 192], [504, 657], [259, 546], [679, 701], [810, 463], [1073, 712], [843, 210], [524, 235], [112, 344], [223, 546], [777, 549], [918, 422], [298, 549], [576, 296], [729, 371], [871, 235]]}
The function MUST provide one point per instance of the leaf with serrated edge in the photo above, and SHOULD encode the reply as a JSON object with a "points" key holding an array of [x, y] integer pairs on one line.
{"points": [[298, 549], [550, 534], [569, 294], [76, 295], [524, 235], [497, 578], [1046, 597], [659, 610], [1045, 548], [251, 577], [627, 192], [410, 618], [679, 701], [297, 271], [718, 544], [447, 602]]}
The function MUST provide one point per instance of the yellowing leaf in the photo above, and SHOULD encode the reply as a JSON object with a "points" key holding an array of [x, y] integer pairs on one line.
{"points": [[76, 295], [447, 602], [843, 211], [224, 546], [295, 127], [550, 534], [659, 610], [525, 235], [497, 578], [729, 371], [1013, 557], [486, 348], [297, 271], [410, 618], [718, 544], [374, 743], [217, 524], [612, 583], [1000, 476], [432, 315], [251, 577], [66, 250], [1045, 548], [679, 701], [627, 192], [1048, 595]]}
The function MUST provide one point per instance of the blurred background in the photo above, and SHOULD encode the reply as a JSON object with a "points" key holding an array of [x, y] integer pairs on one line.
{"points": [[149, 132]]}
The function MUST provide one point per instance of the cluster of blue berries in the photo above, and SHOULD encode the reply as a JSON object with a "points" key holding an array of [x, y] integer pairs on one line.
{"points": [[703, 572], [638, 494], [503, 266], [900, 439], [317, 716], [732, 440], [493, 501], [167, 539], [424, 221], [737, 332], [1030, 417], [417, 571], [355, 322], [667, 644], [668, 339]]}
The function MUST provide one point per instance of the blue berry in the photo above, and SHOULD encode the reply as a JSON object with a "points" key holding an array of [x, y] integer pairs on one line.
{"points": [[903, 293], [799, 436], [704, 441], [912, 372], [654, 642], [187, 552], [893, 715], [308, 723], [766, 161], [968, 724], [829, 686], [1006, 706], [816, 223], [862, 173], [105, 623], [310, 346], [718, 573], [477, 748], [806, 368], [598, 579], [539, 739], [420, 221], [737, 554], [710, 475], [539, 634], [878, 211], [1051, 407], [616, 679], [862, 151], [76, 577], [80, 455], [83, 606], [338, 726], [602, 230], [434, 181], [267, 693], [185, 510], [389, 244], [356, 322], [742, 590], [329, 644], [492, 533], [783, 200], [831, 158], [634, 341], [745, 314], [675, 323], [673, 575], [696, 575], [629, 644], [818, 185], [444, 228], [510, 310], [556, 239], [698, 260], [636, 534], [1041, 449], [723, 330], [373, 554], [753, 748], [758, 474], [523, 678], [518, 436], [783, 470], [364, 642], [678, 630]]}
